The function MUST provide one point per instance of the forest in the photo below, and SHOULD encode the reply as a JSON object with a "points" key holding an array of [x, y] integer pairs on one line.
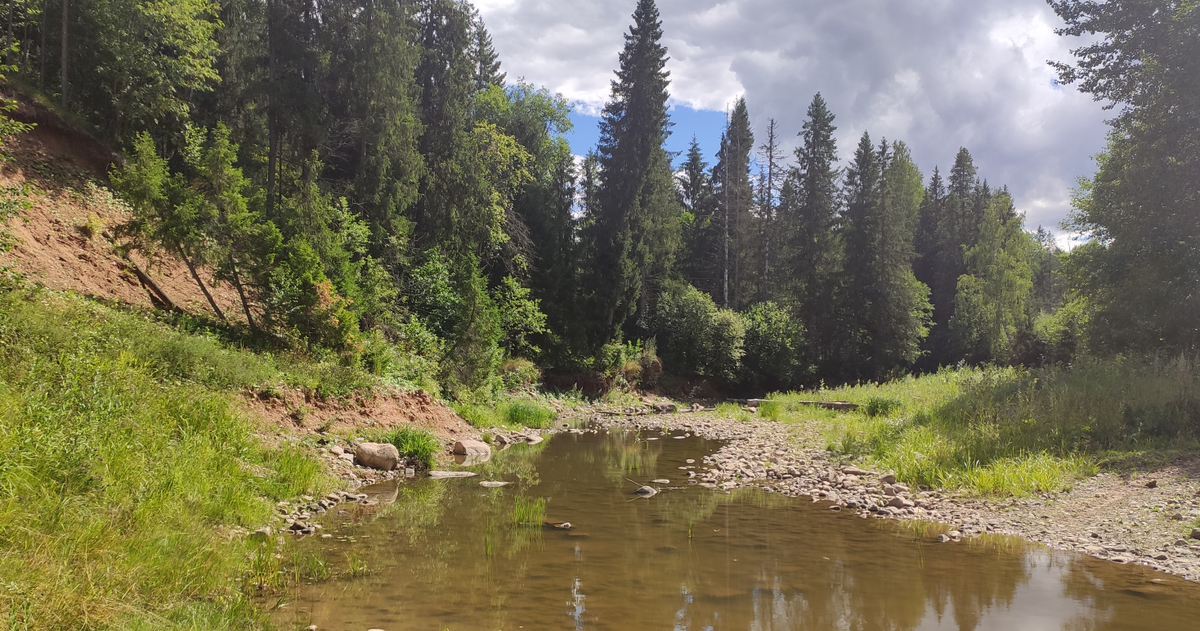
{"points": [[382, 195]]}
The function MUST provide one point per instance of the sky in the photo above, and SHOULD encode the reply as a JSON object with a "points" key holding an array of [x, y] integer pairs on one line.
{"points": [[937, 74]]}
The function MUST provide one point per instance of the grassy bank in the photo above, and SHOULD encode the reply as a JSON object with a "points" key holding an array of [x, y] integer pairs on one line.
{"points": [[126, 466], [1012, 431]]}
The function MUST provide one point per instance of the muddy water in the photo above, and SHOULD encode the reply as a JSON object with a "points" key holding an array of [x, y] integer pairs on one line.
{"points": [[446, 555]]}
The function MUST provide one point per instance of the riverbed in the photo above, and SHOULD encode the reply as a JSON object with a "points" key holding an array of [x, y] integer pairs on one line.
{"points": [[446, 554]]}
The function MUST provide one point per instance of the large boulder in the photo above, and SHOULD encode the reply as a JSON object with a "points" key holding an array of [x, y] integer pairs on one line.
{"points": [[383, 456], [468, 447]]}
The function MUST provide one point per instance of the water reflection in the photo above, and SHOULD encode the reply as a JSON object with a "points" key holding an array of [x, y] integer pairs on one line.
{"points": [[446, 555]]}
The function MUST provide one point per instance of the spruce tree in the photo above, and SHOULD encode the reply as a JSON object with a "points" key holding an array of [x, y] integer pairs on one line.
{"points": [[735, 200], [883, 308], [636, 225], [700, 253], [485, 63], [809, 208]]}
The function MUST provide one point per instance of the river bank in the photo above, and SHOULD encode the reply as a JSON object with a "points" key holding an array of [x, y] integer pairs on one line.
{"points": [[1122, 517]]}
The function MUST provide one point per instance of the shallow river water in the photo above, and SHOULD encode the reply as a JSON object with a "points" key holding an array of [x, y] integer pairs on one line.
{"points": [[445, 554]]}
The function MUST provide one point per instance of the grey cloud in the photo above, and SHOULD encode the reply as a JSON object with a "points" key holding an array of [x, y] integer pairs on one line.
{"points": [[936, 74]]}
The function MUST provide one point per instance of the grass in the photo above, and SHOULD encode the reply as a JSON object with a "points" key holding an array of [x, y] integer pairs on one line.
{"points": [[417, 444], [1013, 431], [529, 511], [733, 411], [126, 464], [522, 412]]}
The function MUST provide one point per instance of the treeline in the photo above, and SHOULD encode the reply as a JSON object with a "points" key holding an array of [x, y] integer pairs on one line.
{"points": [[367, 178]]}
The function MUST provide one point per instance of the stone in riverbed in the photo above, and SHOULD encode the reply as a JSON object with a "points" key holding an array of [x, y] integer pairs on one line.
{"points": [[647, 491], [854, 471], [1196, 533], [489, 484], [468, 447], [660, 481], [900, 502], [888, 479], [442, 475], [382, 456]]}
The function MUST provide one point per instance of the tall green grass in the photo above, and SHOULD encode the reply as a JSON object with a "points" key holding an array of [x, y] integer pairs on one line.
{"points": [[529, 511], [417, 444], [1011, 430], [124, 469], [511, 413]]}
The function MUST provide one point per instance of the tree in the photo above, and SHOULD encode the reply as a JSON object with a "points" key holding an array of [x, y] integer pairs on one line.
{"points": [[1142, 271], [884, 308], [992, 317], [485, 63], [633, 234], [735, 198], [699, 260], [809, 207], [770, 183]]}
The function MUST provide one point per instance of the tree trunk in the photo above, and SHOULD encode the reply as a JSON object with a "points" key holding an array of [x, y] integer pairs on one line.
{"points": [[63, 75], [195, 276], [237, 283], [272, 131]]}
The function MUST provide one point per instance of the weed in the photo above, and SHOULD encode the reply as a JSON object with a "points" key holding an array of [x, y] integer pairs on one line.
{"points": [[416, 444], [733, 411], [770, 410], [881, 406], [529, 511], [527, 413]]}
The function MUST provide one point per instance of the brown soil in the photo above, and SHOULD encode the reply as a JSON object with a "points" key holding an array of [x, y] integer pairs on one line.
{"points": [[68, 240], [297, 411]]}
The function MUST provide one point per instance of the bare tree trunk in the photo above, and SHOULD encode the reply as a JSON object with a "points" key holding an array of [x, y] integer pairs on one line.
{"points": [[63, 75], [156, 292], [237, 282], [195, 276], [272, 131]]}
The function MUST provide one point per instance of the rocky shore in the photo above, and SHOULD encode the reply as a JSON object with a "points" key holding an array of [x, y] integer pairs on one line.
{"points": [[1125, 519]]}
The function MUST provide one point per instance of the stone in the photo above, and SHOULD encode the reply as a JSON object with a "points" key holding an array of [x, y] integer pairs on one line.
{"points": [[647, 491], [337, 450], [854, 471], [888, 479], [900, 502], [443, 475], [1161, 557], [943, 538], [1152, 484], [533, 440], [468, 447], [490, 484], [262, 534], [311, 627], [660, 481], [382, 456]]}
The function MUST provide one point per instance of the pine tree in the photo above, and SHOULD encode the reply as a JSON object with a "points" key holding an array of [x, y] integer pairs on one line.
{"points": [[771, 181], [699, 256], [637, 206], [883, 307], [485, 63], [809, 208], [735, 200]]}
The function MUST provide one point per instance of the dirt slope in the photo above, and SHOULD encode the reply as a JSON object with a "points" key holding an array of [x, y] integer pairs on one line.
{"points": [[67, 240]]}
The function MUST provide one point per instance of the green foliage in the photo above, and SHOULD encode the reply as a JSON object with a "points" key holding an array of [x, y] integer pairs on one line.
{"points": [[771, 410], [774, 347], [696, 335], [417, 444], [519, 374]]}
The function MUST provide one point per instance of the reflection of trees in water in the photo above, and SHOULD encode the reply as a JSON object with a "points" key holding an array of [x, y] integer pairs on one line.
{"points": [[744, 560], [1120, 597]]}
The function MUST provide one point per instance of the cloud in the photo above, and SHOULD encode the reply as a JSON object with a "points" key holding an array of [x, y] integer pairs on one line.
{"points": [[937, 74]]}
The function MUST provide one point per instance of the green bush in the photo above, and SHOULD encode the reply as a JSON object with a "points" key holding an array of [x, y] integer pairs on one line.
{"points": [[774, 347], [519, 374], [696, 335], [416, 444]]}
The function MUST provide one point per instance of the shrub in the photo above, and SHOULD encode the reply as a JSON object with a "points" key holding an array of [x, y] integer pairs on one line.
{"points": [[519, 374], [774, 343], [696, 335]]}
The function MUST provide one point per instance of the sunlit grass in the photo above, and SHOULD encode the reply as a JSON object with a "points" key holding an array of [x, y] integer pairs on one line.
{"points": [[123, 474], [529, 511], [417, 444], [1011, 431]]}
